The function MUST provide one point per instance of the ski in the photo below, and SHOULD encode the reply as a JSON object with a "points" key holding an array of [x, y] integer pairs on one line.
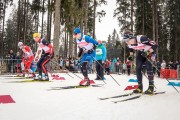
{"points": [[155, 93], [138, 96], [29, 80], [123, 95], [127, 99], [75, 87]]}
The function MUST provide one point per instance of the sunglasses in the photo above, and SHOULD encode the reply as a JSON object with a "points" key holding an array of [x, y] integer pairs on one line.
{"points": [[75, 34]]}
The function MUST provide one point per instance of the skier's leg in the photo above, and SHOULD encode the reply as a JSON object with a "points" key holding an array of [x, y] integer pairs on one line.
{"points": [[150, 75], [139, 62], [45, 61]]}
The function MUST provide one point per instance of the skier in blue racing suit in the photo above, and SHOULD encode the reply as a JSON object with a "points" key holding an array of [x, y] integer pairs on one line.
{"points": [[87, 53]]}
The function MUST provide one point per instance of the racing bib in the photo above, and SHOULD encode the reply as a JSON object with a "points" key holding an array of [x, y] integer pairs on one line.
{"points": [[99, 51]]}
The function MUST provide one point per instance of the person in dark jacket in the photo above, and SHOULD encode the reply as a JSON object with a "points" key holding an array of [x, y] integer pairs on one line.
{"points": [[11, 61], [146, 49]]}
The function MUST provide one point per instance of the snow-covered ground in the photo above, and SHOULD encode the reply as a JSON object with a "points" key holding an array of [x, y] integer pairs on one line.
{"points": [[44, 101]]}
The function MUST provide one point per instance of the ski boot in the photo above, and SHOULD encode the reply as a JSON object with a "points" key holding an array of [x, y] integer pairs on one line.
{"points": [[150, 90], [46, 78], [32, 75], [85, 82], [139, 89], [21, 75], [39, 77]]}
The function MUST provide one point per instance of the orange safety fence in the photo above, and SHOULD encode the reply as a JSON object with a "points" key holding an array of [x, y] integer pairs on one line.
{"points": [[168, 73]]}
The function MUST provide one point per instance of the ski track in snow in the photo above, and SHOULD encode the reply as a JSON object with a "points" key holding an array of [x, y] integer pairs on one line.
{"points": [[44, 101]]}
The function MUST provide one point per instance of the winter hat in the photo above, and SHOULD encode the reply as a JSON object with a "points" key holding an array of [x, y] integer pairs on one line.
{"points": [[77, 30]]}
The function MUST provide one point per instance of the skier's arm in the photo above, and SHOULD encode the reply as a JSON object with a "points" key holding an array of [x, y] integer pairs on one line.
{"points": [[91, 40], [145, 40], [48, 44]]}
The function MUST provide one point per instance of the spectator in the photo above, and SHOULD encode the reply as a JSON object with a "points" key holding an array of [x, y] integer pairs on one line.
{"points": [[107, 66], [67, 63], [100, 60], [18, 63], [76, 61], [163, 65], [11, 57], [124, 68], [57, 61], [170, 65], [61, 62], [120, 67], [159, 68], [117, 64], [113, 67], [71, 65], [176, 65], [128, 63]]}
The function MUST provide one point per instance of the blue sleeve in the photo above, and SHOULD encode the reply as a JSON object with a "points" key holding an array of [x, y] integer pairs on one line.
{"points": [[91, 40], [104, 53]]}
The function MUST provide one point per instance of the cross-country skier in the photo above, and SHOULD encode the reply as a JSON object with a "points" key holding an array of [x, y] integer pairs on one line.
{"points": [[45, 57], [86, 46], [27, 59], [146, 49]]}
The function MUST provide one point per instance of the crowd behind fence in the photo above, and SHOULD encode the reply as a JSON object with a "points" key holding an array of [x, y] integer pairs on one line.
{"points": [[13, 66]]}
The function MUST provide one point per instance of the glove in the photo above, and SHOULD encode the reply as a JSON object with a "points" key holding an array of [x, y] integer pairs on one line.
{"points": [[145, 54], [80, 52], [90, 51], [130, 58]]}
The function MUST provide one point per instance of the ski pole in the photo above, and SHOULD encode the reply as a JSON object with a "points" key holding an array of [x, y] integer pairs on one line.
{"points": [[100, 77], [160, 73], [144, 75], [69, 71], [58, 64], [105, 70]]}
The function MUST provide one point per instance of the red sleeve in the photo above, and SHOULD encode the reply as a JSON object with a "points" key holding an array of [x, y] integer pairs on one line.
{"points": [[27, 48], [52, 48]]}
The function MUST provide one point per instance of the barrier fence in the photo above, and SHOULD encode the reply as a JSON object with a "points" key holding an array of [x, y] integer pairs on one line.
{"points": [[13, 66], [170, 73], [10, 66]]}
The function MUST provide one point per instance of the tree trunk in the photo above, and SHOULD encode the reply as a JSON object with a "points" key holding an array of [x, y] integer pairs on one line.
{"points": [[65, 42], [42, 22], [1, 27], [94, 23], [143, 22], [70, 43], [18, 23], [25, 25], [154, 19], [157, 30], [85, 16], [48, 21], [4, 11], [57, 27], [132, 13]]}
